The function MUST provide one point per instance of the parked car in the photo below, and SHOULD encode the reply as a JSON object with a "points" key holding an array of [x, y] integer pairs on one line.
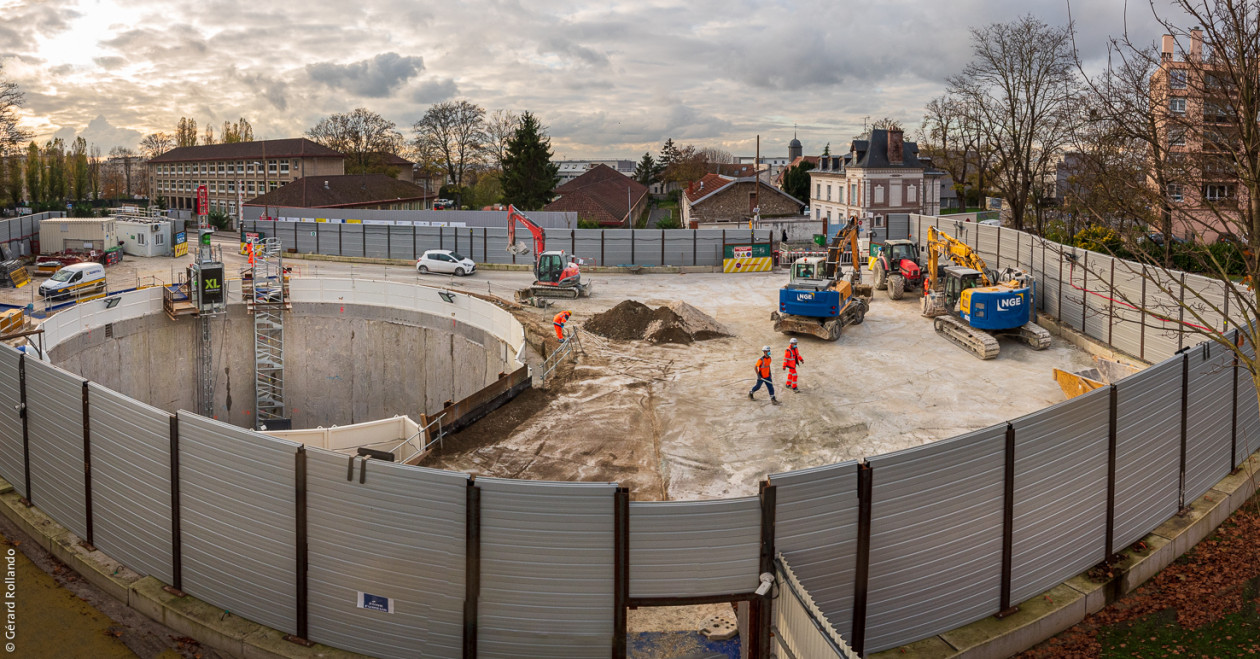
{"points": [[77, 280], [446, 262]]}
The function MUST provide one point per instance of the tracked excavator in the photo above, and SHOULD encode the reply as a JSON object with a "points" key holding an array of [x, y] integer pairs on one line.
{"points": [[555, 275], [971, 306], [819, 299]]}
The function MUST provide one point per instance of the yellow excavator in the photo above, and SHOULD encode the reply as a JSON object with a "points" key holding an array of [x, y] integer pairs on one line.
{"points": [[970, 308]]}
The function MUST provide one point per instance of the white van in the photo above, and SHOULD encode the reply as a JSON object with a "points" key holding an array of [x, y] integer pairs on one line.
{"points": [[72, 281]]}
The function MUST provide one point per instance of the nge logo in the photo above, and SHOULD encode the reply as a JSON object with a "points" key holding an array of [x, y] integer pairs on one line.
{"points": [[804, 297], [1010, 302]]}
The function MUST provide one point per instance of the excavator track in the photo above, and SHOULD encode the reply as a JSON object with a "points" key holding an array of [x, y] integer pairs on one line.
{"points": [[553, 291], [978, 342], [1035, 336]]}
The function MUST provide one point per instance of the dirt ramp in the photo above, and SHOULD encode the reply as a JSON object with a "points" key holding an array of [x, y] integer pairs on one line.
{"points": [[677, 322]]}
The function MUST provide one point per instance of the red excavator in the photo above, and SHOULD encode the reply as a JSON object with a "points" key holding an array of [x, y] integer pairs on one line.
{"points": [[555, 275]]}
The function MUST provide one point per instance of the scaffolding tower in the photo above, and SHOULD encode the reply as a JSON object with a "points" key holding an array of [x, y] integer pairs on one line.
{"points": [[266, 293]]}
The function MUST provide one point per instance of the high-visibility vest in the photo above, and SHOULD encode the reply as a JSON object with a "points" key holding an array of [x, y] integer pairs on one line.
{"points": [[791, 356], [560, 318], [763, 367]]}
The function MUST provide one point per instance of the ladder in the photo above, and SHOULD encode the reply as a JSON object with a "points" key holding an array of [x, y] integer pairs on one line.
{"points": [[267, 298]]}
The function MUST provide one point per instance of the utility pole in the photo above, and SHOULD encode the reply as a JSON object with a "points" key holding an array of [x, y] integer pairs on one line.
{"points": [[757, 185]]}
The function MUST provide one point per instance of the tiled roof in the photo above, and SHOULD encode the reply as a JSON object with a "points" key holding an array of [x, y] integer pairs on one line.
{"points": [[347, 190], [706, 186], [297, 147], [599, 195]]}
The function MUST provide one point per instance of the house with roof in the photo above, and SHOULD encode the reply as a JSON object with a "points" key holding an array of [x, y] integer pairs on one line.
{"points": [[367, 191], [604, 196], [717, 198]]}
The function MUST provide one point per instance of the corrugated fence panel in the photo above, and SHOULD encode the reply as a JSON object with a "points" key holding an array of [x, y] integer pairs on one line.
{"points": [[546, 569], [1052, 287], [679, 246], [1011, 249], [1148, 450], [694, 548], [1073, 294], [401, 243], [329, 237], [1060, 493], [1163, 338], [54, 417], [898, 225], [617, 247], [406, 542], [1098, 297], [988, 240], [815, 528], [1126, 323], [1209, 418], [352, 237], [936, 537], [237, 520], [376, 241], [131, 481], [1248, 410], [11, 460]]}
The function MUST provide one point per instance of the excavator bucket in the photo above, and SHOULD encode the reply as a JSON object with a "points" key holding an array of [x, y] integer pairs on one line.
{"points": [[1075, 384]]}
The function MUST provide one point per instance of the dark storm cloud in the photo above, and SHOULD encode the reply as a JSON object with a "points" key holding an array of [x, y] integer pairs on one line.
{"points": [[373, 78]]}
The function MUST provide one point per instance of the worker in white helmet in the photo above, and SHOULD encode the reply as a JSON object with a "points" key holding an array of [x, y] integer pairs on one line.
{"points": [[792, 357], [763, 375]]}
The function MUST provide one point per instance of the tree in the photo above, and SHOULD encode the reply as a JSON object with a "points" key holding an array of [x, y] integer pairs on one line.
{"points": [[827, 150], [796, 180], [647, 171], [56, 186], [34, 175], [715, 155], [94, 170], [155, 144], [125, 158], [11, 98], [529, 176], [456, 131], [486, 190], [13, 178], [669, 154], [941, 138], [500, 127], [208, 136], [363, 136], [241, 131], [886, 123], [1021, 83], [688, 165], [186, 132], [80, 175]]}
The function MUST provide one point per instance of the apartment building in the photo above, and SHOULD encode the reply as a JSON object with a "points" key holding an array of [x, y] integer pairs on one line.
{"points": [[236, 173]]}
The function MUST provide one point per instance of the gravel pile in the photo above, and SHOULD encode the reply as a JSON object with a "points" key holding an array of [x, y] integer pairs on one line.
{"points": [[678, 322]]}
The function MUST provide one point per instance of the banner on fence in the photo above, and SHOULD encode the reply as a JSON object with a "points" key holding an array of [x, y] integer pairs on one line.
{"points": [[747, 258]]}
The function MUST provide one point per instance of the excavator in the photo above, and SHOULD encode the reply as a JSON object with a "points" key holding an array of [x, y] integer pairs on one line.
{"points": [[818, 298], [555, 275], [971, 306]]}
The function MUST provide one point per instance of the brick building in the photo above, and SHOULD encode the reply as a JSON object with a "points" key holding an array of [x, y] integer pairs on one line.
{"points": [[604, 196], [237, 172], [880, 175], [371, 191], [717, 198]]}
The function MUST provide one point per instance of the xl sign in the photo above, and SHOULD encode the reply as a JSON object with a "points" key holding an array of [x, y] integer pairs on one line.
{"points": [[1010, 303]]}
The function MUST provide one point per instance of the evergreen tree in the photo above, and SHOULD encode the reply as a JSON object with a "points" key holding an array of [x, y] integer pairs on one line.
{"points": [[34, 175], [529, 176], [647, 171], [796, 181], [827, 150], [669, 155], [56, 178], [13, 179]]}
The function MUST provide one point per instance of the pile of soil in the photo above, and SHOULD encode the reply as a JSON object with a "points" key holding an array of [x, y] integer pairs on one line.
{"points": [[677, 323]]}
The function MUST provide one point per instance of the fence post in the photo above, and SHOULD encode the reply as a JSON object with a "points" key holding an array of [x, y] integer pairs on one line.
{"points": [[1084, 290], [663, 247], [694, 245], [1185, 395], [1111, 301], [87, 467], [999, 247], [1111, 476], [177, 549], [769, 499], [303, 598], [1181, 313], [485, 243], [572, 242], [472, 566], [621, 563], [26, 437], [632, 260], [1233, 423], [317, 247], [863, 562], [602, 260], [1005, 608], [414, 253], [1060, 286], [389, 241], [1142, 319]]}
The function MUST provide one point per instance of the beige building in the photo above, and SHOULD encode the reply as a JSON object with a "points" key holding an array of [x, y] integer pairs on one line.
{"points": [[238, 172], [880, 175]]}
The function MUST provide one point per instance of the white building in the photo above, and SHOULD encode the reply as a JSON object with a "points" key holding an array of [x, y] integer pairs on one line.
{"points": [[571, 169], [880, 175]]}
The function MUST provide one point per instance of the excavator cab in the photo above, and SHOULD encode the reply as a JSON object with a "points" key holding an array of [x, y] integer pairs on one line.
{"points": [[957, 280], [549, 268]]}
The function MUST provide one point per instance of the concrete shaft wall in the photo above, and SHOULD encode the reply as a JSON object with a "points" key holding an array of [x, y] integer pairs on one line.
{"points": [[343, 363]]}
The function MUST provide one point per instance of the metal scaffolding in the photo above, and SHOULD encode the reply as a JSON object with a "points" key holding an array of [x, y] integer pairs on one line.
{"points": [[266, 293]]}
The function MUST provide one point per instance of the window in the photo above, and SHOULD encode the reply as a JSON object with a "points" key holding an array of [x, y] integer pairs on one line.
{"points": [[840, 193], [159, 239], [139, 238], [240, 167], [205, 168], [878, 222], [284, 167], [828, 192], [1177, 78], [272, 185], [221, 168], [911, 194], [818, 191], [1174, 192], [251, 187], [271, 167], [1218, 192], [1177, 136], [249, 169], [1214, 113], [1177, 105], [231, 187], [879, 194], [853, 193]]}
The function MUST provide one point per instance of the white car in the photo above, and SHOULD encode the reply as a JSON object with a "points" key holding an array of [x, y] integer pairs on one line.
{"points": [[445, 261]]}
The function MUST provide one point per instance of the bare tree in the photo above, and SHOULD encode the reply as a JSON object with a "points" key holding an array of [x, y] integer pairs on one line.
{"points": [[501, 125], [941, 138], [208, 136], [1020, 83], [80, 174], [715, 155], [186, 132], [241, 131], [126, 159], [456, 130], [94, 170], [11, 98], [362, 135], [155, 144]]}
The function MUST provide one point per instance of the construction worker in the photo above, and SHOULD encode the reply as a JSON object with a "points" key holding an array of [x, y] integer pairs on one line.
{"points": [[792, 357], [763, 375], [559, 321]]}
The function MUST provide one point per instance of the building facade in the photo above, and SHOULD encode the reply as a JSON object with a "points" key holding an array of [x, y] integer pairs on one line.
{"points": [[880, 175], [603, 196], [367, 191], [236, 173], [717, 198]]}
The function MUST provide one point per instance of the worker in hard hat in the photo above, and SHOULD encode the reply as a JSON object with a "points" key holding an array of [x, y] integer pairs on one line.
{"points": [[763, 375], [559, 321], [792, 357]]}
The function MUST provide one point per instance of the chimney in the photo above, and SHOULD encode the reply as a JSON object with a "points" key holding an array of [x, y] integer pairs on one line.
{"points": [[1196, 45], [1166, 48], [895, 151]]}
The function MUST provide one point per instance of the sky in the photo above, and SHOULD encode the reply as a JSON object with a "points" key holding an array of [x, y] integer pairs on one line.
{"points": [[608, 79]]}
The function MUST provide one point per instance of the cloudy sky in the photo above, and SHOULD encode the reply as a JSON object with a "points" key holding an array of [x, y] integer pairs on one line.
{"points": [[611, 78]]}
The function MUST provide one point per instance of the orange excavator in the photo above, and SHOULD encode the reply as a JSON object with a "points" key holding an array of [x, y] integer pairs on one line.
{"points": [[555, 275]]}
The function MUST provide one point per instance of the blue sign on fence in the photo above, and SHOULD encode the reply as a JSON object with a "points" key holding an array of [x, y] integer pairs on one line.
{"points": [[375, 603]]}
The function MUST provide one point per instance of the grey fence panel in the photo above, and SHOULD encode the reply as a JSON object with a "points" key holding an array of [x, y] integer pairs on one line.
{"points": [[1205, 298], [375, 240], [898, 225], [987, 236], [1209, 418], [1051, 262], [546, 569], [289, 232], [496, 244], [1098, 297], [680, 247], [427, 238], [306, 237], [11, 460], [589, 246], [1148, 450], [936, 537], [406, 542], [54, 418], [1060, 506], [620, 248], [815, 528], [1163, 335], [1127, 320], [694, 548], [401, 243], [237, 508], [1248, 409], [329, 237], [1011, 249], [131, 481], [709, 246], [1073, 299], [352, 240]]}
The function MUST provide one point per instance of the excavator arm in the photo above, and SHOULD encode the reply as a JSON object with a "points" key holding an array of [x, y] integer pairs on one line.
{"points": [[540, 241], [847, 235], [942, 244]]}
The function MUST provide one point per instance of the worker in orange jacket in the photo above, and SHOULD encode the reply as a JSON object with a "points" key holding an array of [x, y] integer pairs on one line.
{"points": [[559, 321], [763, 375], [792, 357]]}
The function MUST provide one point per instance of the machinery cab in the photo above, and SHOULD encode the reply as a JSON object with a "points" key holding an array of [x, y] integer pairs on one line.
{"points": [[809, 273], [555, 269], [958, 280], [901, 256], [997, 307]]}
